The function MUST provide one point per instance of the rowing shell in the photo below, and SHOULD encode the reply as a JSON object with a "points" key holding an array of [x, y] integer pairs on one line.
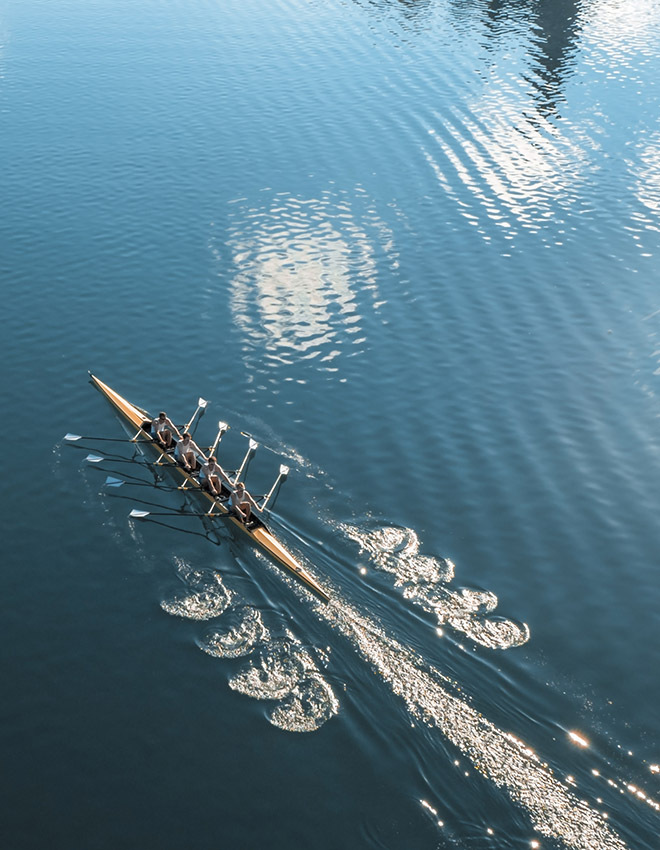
{"points": [[260, 535]]}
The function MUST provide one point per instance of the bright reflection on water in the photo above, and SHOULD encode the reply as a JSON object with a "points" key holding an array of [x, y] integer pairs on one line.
{"points": [[299, 266], [554, 809], [418, 240]]}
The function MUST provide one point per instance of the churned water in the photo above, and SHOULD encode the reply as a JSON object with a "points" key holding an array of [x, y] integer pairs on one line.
{"points": [[413, 249]]}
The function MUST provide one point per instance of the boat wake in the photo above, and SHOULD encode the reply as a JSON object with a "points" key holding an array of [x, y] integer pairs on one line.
{"points": [[424, 581], [239, 639], [285, 670], [433, 700], [204, 597], [280, 669]]}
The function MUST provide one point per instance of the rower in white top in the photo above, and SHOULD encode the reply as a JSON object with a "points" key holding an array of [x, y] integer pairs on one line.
{"points": [[242, 503], [187, 453], [213, 475], [163, 429]]}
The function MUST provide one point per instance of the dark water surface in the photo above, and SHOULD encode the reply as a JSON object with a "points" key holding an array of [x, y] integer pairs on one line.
{"points": [[414, 249]]}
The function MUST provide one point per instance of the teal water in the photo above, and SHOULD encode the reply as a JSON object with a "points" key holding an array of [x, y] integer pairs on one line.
{"points": [[413, 248]]}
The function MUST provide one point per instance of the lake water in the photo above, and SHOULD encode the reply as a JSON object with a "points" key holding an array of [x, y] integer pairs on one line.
{"points": [[414, 249]]}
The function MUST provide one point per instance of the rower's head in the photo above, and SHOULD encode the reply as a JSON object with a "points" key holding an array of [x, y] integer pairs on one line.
{"points": [[186, 437], [212, 460], [162, 416], [240, 486]]}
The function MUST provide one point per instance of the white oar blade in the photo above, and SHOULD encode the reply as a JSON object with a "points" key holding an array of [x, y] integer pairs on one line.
{"points": [[202, 402], [254, 445], [138, 514], [94, 459], [113, 482], [284, 471], [222, 427], [72, 437]]}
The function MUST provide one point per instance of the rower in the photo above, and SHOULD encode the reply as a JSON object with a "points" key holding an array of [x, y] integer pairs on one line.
{"points": [[187, 452], [163, 429], [213, 475], [242, 503]]}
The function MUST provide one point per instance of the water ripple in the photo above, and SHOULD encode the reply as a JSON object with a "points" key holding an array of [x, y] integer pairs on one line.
{"points": [[286, 671], [237, 640], [204, 597], [304, 273], [424, 580]]}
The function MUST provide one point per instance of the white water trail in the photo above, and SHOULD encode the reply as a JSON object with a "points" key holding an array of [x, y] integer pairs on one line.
{"points": [[555, 811]]}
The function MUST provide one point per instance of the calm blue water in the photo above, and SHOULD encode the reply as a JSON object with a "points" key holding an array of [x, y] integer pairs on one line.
{"points": [[414, 249]]}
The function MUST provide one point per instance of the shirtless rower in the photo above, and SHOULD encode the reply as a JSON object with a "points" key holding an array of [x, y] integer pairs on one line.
{"points": [[213, 476], [163, 430], [187, 452], [242, 503]]}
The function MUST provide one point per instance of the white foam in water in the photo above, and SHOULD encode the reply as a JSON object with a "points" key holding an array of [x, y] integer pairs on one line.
{"points": [[425, 579], [554, 810], [205, 595], [309, 705], [280, 667], [285, 671], [240, 639]]}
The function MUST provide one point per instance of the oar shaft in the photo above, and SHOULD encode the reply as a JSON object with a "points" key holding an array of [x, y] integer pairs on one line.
{"points": [[73, 438], [221, 431], [271, 491], [135, 514], [201, 404], [284, 471], [192, 419], [248, 454]]}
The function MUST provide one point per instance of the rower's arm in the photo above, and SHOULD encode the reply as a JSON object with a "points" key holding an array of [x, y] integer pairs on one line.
{"points": [[174, 428], [252, 502], [225, 476]]}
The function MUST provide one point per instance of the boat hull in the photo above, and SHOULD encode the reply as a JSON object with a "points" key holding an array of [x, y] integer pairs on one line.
{"points": [[260, 536]]}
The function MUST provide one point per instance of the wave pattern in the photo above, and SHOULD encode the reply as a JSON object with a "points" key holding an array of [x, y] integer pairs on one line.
{"points": [[424, 581], [286, 671], [554, 808], [204, 597], [300, 266], [280, 669], [239, 639]]}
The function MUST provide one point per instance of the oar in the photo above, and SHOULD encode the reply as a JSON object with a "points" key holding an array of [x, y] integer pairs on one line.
{"points": [[72, 438], [252, 447], [99, 459], [111, 481], [201, 404], [208, 535], [138, 514], [284, 471], [222, 429]]}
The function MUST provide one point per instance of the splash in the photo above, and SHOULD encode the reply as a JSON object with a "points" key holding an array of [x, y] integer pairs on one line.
{"points": [[424, 581]]}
